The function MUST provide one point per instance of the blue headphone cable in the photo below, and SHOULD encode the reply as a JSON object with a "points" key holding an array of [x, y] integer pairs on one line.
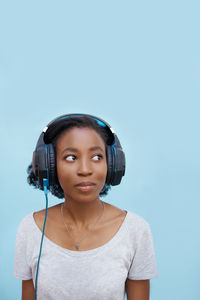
{"points": [[45, 184]]}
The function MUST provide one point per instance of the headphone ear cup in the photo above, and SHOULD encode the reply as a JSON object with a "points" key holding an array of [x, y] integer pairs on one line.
{"points": [[119, 166], [119, 162], [110, 164], [51, 163], [39, 163]]}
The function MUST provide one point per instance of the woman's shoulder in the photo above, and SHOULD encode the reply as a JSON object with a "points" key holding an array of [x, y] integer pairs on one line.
{"points": [[26, 225], [26, 220], [137, 219], [52, 215], [37, 217], [113, 210], [134, 225], [132, 217], [137, 227]]}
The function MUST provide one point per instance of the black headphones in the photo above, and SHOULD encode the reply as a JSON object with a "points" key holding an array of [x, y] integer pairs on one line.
{"points": [[44, 158]]}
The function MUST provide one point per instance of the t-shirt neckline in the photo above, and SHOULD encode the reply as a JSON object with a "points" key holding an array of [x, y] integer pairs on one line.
{"points": [[84, 252]]}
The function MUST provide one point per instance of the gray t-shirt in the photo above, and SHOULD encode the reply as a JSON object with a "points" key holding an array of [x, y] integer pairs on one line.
{"points": [[94, 274]]}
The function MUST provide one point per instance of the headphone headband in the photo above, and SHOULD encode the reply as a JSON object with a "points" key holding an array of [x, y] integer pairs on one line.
{"points": [[99, 121]]}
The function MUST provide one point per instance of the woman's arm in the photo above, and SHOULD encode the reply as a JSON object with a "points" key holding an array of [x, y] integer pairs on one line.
{"points": [[28, 291], [137, 289]]}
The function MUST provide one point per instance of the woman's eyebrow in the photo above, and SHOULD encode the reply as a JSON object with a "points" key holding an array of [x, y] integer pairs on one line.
{"points": [[70, 149], [76, 150], [96, 148]]}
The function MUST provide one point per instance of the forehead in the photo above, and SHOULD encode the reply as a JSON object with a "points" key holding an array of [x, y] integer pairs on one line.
{"points": [[79, 138]]}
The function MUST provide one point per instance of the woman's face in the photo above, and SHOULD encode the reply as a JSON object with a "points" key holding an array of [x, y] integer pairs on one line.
{"points": [[81, 163]]}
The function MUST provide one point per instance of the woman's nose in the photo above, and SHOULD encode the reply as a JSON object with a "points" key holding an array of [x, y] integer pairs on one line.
{"points": [[84, 168]]}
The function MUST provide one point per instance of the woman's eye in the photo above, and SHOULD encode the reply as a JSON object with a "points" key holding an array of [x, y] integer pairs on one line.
{"points": [[70, 157], [97, 157]]}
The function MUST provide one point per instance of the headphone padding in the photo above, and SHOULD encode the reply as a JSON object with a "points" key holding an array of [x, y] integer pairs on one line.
{"points": [[51, 164], [120, 166], [110, 164]]}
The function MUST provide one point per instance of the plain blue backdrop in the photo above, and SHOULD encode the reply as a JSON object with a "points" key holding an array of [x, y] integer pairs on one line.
{"points": [[135, 64]]}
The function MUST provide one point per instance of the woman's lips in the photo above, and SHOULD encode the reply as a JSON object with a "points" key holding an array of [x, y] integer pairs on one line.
{"points": [[85, 186]]}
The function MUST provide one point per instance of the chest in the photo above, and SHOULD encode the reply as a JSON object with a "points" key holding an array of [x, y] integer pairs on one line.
{"points": [[86, 276], [82, 239]]}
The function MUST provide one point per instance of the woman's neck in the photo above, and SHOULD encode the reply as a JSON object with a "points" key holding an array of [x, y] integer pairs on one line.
{"points": [[82, 214]]}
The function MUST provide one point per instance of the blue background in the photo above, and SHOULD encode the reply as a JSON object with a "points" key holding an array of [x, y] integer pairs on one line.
{"points": [[135, 64]]}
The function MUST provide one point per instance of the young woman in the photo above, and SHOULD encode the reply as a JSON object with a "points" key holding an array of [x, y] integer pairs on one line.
{"points": [[91, 249]]}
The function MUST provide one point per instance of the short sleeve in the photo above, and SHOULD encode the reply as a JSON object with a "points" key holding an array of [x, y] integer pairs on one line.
{"points": [[22, 269], [143, 264]]}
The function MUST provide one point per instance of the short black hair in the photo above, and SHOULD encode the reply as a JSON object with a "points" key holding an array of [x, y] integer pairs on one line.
{"points": [[53, 132]]}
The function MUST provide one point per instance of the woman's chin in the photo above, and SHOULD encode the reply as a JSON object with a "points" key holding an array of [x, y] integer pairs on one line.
{"points": [[82, 197]]}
